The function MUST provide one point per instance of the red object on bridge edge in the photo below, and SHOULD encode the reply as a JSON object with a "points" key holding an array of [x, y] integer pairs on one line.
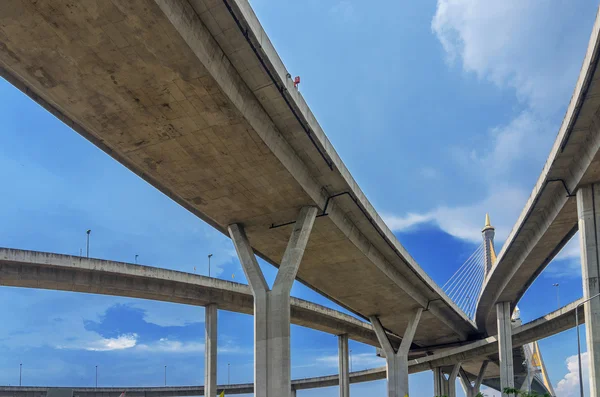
{"points": [[296, 81]]}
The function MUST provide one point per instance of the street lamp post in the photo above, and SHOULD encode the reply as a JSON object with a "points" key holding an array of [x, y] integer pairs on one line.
{"points": [[579, 343], [228, 373], [20, 373], [96, 376], [136, 256], [557, 293], [87, 250], [209, 256], [165, 375]]}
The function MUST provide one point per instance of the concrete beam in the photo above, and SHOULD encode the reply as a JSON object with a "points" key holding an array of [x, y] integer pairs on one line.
{"points": [[272, 361], [397, 361], [368, 375], [210, 349], [30, 269], [343, 366], [588, 210], [505, 347], [389, 259]]}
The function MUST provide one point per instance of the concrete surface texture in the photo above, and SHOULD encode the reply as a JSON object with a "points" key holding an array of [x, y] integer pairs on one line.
{"points": [[505, 347], [445, 385], [272, 348], [588, 208], [397, 360], [472, 386], [344, 365], [174, 91], [210, 349], [549, 218]]}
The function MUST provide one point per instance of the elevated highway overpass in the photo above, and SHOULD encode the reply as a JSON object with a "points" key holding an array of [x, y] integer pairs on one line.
{"points": [[29, 269], [192, 97], [549, 218]]}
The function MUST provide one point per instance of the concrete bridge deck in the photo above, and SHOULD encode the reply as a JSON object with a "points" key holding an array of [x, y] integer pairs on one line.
{"points": [[193, 98], [549, 218], [28, 269], [548, 325]]}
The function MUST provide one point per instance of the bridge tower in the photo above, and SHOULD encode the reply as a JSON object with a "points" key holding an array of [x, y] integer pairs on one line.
{"points": [[488, 232]]}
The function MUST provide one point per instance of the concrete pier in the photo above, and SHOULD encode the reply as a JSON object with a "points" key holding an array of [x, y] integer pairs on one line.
{"points": [[210, 350], [472, 388], [344, 366], [443, 386], [588, 210], [507, 377], [397, 361], [272, 367]]}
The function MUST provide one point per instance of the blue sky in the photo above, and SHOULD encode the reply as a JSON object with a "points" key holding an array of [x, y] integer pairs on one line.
{"points": [[442, 110]]}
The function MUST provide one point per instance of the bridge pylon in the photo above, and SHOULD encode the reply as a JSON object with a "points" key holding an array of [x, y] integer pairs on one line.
{"points": [[488, 232]]}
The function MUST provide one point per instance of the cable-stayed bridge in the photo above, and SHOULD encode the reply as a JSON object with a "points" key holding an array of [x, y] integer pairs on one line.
{"points": [[464, 288], [203, 109]]}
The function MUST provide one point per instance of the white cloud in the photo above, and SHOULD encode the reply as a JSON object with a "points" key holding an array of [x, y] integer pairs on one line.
{"points": [[519, 46], [121, 342], [125, 341], [568, 386], [465, 222], [568, 261], [571, 250], [514, 43], [165, 345]]}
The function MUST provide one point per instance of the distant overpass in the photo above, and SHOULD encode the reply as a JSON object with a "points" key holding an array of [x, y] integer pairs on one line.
{"points": [[548, 325], [29, 269]]}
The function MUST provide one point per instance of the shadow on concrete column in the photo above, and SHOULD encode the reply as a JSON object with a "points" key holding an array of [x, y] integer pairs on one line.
{"points": [[588, 211], [397, 361], [344, 368], [507, 373], [443, 386], [210, 350], [272, 368]]}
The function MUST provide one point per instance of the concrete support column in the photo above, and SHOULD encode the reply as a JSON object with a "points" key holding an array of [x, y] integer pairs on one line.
{"points": [[588, 210], [210, 350], [439, 388], [472, 388], [397, 361], [443, 386], [344, 367], [507, 376], [272, 368], [293, 393]]}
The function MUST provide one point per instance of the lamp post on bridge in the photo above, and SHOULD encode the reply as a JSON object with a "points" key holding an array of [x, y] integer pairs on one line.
{"points": [[87, 245], [20, 373], [209, 256], [557, 294]]}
